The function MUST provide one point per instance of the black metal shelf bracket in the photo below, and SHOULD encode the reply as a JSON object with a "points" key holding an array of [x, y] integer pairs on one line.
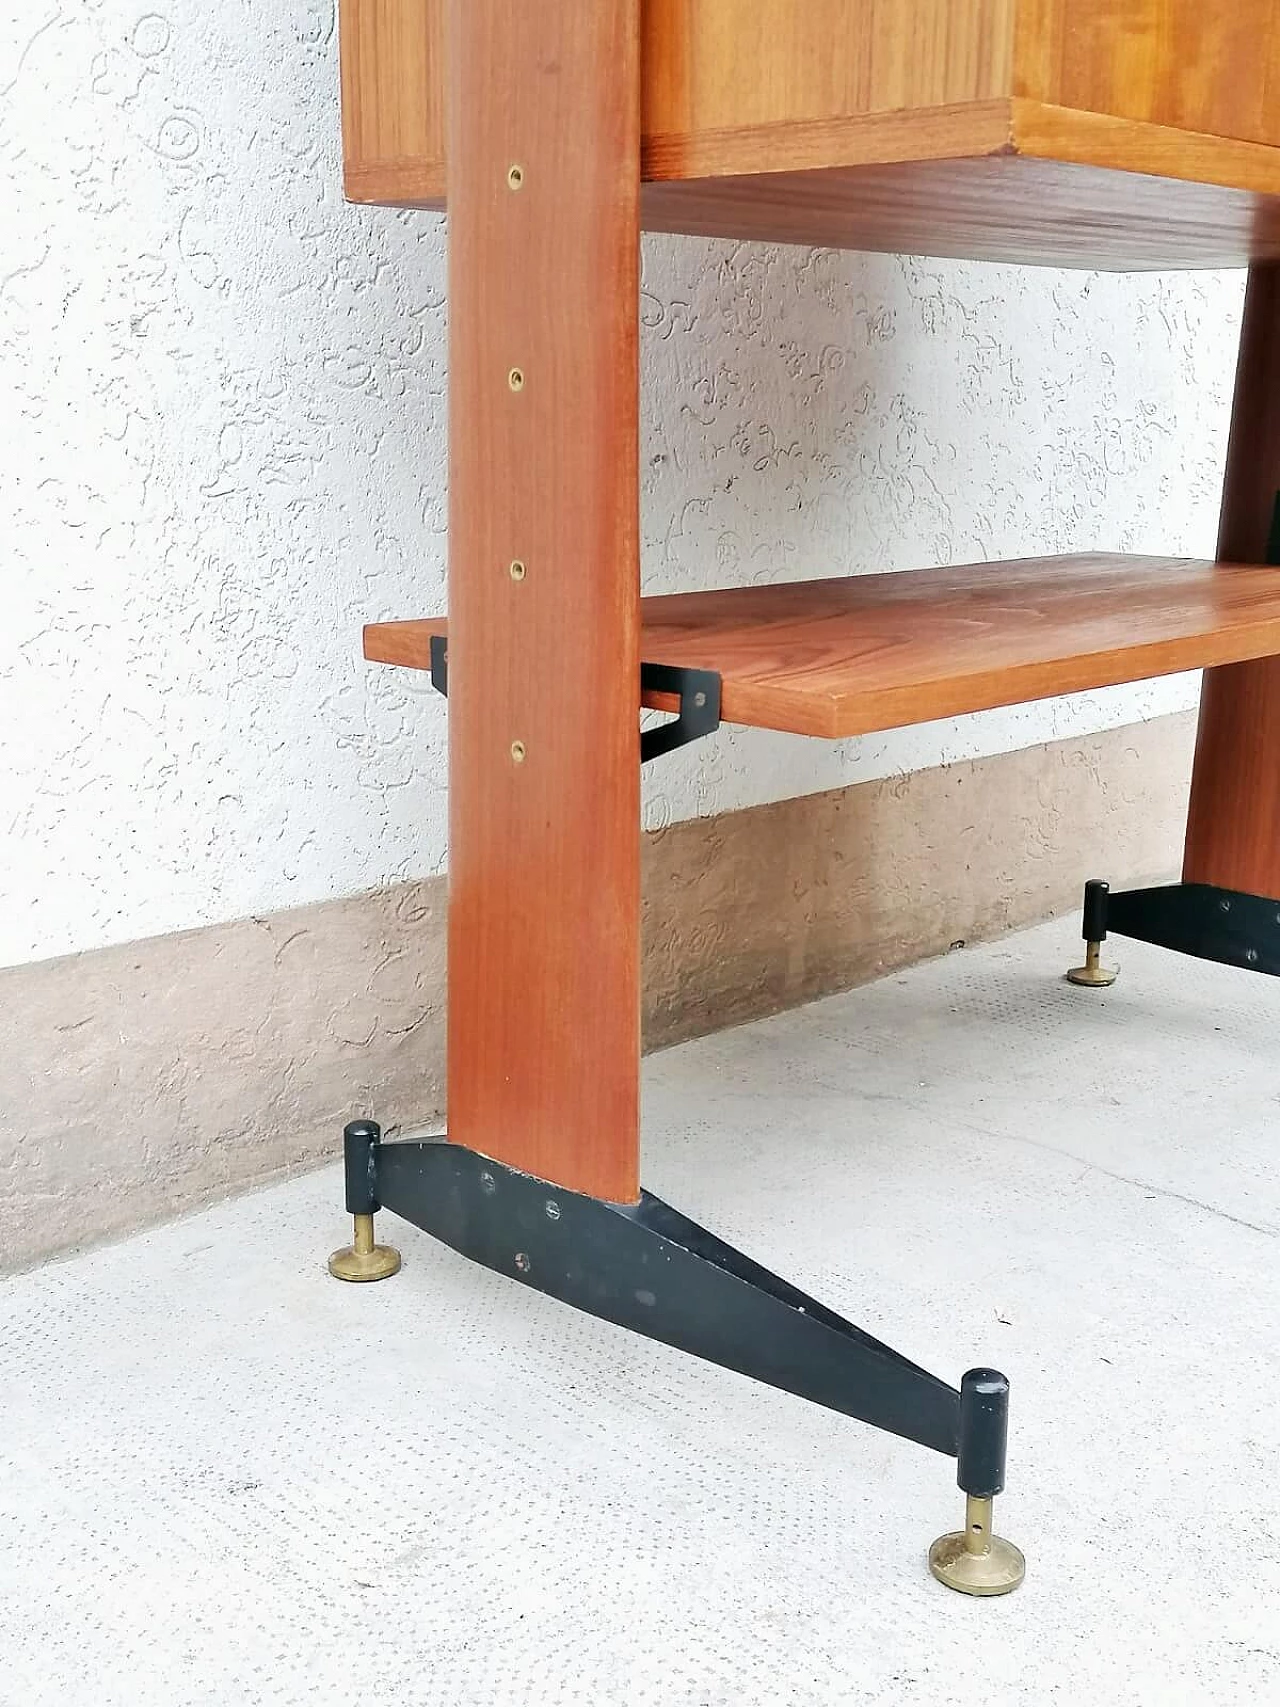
{"points": [[647, 1267], [698, 692], [1198, 919], [699, 695]]}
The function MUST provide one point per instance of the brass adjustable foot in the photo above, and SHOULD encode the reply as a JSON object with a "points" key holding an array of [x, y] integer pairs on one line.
{"points": [[1093, 974], [975, 1561], [364, 1260]]}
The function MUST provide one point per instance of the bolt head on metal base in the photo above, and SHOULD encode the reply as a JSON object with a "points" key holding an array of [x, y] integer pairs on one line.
{"points": [[997, 1570], [1093, 975], [364, 1260]]}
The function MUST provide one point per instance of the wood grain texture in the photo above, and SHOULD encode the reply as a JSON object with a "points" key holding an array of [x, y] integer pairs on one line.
{"points": [[872, 124], [787, 148], [1185, 64], [716, 64], [1004, 208], [544, 1004], [708, 65], [1233, 819], [847, 656], [1180, 158], [393, 98]]}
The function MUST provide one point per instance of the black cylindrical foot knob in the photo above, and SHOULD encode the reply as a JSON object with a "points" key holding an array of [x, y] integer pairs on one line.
{"points": [[360, 1142], [984, 1433], [1093, 926]]}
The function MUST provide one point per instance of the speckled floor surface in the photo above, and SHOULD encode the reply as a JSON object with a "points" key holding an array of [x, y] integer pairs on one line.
{"points": [[227, 1480]]}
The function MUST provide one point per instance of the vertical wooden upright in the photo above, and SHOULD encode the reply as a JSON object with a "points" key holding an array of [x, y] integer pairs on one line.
{"points": [[544, 839], [1233, 822]]}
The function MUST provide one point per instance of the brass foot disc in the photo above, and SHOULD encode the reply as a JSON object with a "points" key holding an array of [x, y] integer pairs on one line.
{"points": [[997, 1571], [378, 1264], [1092, 977]]}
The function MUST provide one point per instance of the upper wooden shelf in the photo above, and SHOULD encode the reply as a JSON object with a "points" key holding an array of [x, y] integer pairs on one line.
{"points": [[848, 656], [1066, 132]]}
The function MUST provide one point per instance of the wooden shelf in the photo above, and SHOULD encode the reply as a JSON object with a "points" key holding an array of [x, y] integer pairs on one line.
{"points": [[847, 656]]}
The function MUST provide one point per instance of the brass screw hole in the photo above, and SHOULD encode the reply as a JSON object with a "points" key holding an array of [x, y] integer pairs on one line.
{"points": [[515, 177], [515, 379], [518, 751], [517, 570]]}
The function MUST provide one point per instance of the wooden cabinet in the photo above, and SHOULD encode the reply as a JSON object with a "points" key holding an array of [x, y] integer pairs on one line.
{"points": [[1112, 133]]}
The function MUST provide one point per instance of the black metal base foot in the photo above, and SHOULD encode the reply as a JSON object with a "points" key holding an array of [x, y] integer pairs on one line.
{"points": [[646, 1267], [1225, 925]]}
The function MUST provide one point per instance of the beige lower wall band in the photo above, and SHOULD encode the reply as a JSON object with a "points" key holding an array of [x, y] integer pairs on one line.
{"points": [[143, 1080]]}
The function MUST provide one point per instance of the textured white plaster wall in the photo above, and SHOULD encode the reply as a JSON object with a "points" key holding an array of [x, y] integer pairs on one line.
{"points": [[224, 450]]}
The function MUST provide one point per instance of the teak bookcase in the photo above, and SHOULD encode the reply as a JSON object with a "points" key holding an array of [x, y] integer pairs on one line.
{"points": [[1093, 133]]}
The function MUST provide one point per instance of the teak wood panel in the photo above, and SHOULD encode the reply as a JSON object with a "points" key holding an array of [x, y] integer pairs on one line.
{"points": [[844, 657], [1003, 208], [706, 65], [711, 65], [739, 101], [544, 883], [1233, 820], [1190, 65], [393, 87]]}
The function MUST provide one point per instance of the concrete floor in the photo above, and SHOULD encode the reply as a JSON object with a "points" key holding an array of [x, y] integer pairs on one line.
{"points": [[228, 1480]]}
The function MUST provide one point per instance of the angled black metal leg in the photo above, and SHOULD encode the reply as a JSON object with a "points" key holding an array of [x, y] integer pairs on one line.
{"points": [[647, 1267], [1198, 919]]}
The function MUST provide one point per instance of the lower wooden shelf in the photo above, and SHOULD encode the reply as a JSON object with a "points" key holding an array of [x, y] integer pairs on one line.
{"points": [[855, 654]]}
